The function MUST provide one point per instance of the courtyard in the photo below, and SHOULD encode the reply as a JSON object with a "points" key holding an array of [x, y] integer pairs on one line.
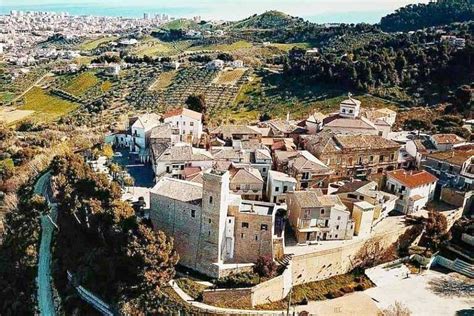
{"points": [[140, 172]]}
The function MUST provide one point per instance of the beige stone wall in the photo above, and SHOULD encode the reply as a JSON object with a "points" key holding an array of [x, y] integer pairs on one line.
{"points": [[228, 297], [252, 242], [453, 197], [325, 264]]}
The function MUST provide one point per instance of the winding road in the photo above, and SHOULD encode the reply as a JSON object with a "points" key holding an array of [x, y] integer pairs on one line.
{"points": [[44, 279]]}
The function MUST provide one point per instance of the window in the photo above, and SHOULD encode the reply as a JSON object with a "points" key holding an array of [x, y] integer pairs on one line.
{"points": [[256, 237], [193, 213], [209, 233], [382, 158], [277, 189], [339, 218], [191, 123], [371, 158], [343, 110], [210, 221], [351, 111], [285, 188], [307, 213], [230, 221], [210, 200], [392, 157], [322, 211], [305, 176], [264, 169], [242, 235], [264, 227], [184, 123], [337, 227], [245, 225], [335, 236]]}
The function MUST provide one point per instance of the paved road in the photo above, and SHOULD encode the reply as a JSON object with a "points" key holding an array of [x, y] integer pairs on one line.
{"points": [[44, 279]]}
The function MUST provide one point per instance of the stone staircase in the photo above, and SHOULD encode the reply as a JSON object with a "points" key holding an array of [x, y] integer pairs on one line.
{"points": [[463, 268], [285, 261]]}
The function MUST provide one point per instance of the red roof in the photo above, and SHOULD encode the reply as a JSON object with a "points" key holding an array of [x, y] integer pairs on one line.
{"points": [[183, 111], [447, 138], [412, 179]]}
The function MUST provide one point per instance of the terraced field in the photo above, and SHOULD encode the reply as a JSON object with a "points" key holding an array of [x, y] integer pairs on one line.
{"points": [[45, 106], [224, 47]]}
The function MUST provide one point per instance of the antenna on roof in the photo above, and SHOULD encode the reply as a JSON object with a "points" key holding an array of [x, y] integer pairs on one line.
{"points": [[349, 95]]}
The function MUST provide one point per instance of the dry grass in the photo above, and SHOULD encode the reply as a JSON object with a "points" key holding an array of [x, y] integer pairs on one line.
{"points": [[10, 116], [163, 81], [322, 290], [229, 77]]}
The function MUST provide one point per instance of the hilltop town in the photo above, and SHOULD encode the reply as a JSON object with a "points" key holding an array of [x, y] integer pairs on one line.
{"points": [[272, 165]]}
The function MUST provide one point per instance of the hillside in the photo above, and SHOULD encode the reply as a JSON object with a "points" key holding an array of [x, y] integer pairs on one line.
{"points": [[269, 20], [417, 16]]}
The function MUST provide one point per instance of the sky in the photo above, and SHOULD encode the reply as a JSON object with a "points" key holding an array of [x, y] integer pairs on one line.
{"points": [[326, 10]]}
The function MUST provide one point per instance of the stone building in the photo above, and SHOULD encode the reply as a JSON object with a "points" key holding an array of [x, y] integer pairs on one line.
{"points": [[213, 230], [455, 168], [246, 182], [230, 133], [353, 156], [315, 217], [308, 170]]}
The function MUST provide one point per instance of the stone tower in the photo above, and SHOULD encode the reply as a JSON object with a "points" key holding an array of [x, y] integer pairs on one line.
{"points": [[215, 197]]}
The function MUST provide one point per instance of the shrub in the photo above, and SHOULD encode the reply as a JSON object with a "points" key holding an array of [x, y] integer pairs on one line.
{"points": [[347, 289], [359, 287], [245, 279], [334, 294], [265, 267]]}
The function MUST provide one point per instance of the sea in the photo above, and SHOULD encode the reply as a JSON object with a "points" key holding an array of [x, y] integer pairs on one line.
{"points": [[129, 10]]}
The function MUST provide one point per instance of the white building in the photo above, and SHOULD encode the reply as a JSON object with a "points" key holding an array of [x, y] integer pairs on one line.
{"points": [[349, 108], [414, 189], [140, 130], [215, 64], [363, 215], [278, 183], [188, 123]]}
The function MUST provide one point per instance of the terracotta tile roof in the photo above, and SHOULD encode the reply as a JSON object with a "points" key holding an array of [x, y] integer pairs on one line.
{"points": [[183, 111], [456, 156], [412, 179], [447, 139]]}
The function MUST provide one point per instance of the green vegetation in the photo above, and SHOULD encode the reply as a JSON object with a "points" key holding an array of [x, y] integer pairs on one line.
{"points": [[180, 24], [268, 20], [326, 289], [94, 43], [46, 106], [223, 47], [101, 236], [417, 16], [105, 86], [81, 83]]}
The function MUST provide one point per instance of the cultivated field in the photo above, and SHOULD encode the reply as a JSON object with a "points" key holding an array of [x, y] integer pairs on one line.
{"points": [[80, 84], [45, 106], [164, 80], [94, 43], [229, 77], [11, 115]]}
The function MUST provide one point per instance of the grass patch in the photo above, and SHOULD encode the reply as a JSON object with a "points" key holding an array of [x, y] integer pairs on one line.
{"points": [[94, 43], [190, 287], [80, 84], [6, 97], [83, 60], [164, 80], [47, 107], [326, 289]]}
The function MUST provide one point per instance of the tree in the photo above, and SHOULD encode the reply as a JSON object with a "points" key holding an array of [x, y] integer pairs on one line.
{"points": [[107, 151], [265, 266], [436, 230], [418, 125], [196, 103], [153, 254]]}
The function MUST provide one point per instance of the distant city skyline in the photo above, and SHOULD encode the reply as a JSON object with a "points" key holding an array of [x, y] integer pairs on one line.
{"points": [[321, 11]]}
